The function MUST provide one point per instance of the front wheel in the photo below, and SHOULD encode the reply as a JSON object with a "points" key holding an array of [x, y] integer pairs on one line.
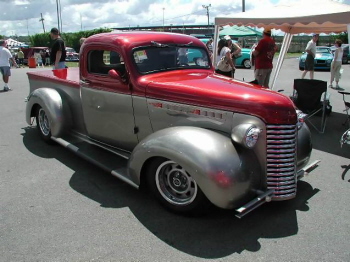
{"points": [[175, 188], [43, 125]]}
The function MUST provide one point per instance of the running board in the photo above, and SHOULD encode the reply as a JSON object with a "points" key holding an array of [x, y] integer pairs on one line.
{"points": [[112, 163]]}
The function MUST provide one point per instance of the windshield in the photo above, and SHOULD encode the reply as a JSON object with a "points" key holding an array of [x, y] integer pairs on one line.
{"points": [[70, 50], [155, 58], [323, 50]]}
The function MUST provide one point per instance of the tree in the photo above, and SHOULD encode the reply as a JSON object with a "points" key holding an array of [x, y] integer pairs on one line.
{"points": [[343, 37], [71, 39]]}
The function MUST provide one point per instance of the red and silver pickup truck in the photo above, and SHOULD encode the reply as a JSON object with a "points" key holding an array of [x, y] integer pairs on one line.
{"points": [[170, 124]]}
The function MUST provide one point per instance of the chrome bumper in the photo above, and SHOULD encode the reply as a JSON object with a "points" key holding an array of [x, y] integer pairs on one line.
{"points": [[266, 196]]}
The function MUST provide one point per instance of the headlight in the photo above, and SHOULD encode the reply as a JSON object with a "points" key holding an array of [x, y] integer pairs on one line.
{"points": [[246, 135], [329, 61], [301, 118]]}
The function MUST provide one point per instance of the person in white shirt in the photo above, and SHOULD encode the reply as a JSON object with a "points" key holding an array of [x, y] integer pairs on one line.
{"points": [[336, 64], [224, 51], [38, 59], [310, 58], [5, 57]]}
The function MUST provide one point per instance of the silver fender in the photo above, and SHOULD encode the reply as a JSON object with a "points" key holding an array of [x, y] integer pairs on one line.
{"points": [[304, 146], [226, 175], [51, 101]]}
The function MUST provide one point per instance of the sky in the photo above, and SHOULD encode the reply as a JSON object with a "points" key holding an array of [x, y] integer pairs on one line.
{"points": [[22, 17]]}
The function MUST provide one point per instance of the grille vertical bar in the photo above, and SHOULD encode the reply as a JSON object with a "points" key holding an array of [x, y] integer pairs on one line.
{"points": [[281, 160]]}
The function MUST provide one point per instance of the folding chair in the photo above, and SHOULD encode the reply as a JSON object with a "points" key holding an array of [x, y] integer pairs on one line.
{"points": [[347, 107], [310, 96]]}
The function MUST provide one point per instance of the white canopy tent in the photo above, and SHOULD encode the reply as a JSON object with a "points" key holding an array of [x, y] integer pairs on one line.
{"points": [[14, 43], [312, 16]]}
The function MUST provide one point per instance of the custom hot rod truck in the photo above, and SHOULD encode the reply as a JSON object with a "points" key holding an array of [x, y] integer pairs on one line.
{"points": [[140, 109]]}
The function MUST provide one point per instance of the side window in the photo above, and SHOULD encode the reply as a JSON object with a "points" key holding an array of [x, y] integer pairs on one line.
{"points": [[101, 61]]}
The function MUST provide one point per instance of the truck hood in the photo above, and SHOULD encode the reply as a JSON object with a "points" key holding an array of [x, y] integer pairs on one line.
{"points": [[205, 89]]}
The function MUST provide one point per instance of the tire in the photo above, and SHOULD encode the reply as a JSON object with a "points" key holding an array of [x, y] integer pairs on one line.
{"points": [[43, 125], [175, 188], [246, 64]]}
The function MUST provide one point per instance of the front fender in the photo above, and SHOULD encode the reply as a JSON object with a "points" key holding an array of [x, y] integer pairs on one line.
{"points": [[304, 146], [226, 175], [51, 101]]}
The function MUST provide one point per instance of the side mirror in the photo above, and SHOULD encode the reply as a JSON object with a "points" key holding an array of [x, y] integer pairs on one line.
{"points": [[114, 74]]}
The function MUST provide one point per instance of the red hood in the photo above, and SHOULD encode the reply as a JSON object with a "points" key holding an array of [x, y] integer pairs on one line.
{"points": [[204, 89]]}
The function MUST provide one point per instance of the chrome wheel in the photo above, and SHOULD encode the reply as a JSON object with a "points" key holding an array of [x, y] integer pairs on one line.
{"points": [[43, 122], [174, 184]]}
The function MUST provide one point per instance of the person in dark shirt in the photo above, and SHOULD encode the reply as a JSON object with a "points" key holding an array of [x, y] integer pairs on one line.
{"points": [[58, 50]]}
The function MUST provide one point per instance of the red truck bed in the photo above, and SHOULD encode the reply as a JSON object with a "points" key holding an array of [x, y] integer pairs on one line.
{"points": [[68, 76]]}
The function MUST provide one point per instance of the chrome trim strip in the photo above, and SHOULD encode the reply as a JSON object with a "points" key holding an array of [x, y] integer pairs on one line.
{"points": [[269, 179]]}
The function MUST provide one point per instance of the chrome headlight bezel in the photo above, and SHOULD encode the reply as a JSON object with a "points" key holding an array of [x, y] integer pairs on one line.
{"points": [[246, 135], [301, 118]]}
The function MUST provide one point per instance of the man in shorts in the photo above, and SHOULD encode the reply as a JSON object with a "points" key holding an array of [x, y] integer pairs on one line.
{"points": [[310, 57], [263, 55], [5, 56]]}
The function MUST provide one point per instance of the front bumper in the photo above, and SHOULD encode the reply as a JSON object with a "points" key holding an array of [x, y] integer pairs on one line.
{"points": [[267, 196]]}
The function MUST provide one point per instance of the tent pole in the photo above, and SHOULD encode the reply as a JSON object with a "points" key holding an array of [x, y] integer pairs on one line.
{"points": [[284, 48], [215, 44]]}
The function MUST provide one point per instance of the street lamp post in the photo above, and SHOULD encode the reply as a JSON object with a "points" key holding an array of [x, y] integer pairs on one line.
{"points": [[58, 15], [207, 7], [243, 5], [163, 19]]}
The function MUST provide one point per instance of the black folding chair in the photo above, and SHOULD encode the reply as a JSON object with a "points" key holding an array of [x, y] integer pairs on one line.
{"points": [[347, 107], [310, 96]]}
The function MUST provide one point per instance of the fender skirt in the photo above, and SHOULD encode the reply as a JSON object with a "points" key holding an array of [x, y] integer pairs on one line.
{"points": [[227, 175]]}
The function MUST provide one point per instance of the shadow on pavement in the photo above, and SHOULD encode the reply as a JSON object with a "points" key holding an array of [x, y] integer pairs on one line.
{"points": [[329, 141], [215, 235]]}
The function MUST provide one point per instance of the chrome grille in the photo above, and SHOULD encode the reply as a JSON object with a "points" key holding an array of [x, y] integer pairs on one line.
{"points": [[281, 160]]}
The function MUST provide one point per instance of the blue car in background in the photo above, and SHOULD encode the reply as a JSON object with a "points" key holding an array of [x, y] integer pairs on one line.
{"points": [[323, 58], [244, 60]]}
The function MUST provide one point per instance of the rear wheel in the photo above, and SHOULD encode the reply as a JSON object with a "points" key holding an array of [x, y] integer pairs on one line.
{"points": [[43, 125], [247, 64], [175, 188]]}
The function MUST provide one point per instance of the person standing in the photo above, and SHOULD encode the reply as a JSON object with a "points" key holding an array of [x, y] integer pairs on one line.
{"points": [[47, 58], [336, 64], [310, 57], [20, 56], [235, 50], [38, 59], [224, 51], [58, 50], [5, 57], [263, 56], [209, 46]]}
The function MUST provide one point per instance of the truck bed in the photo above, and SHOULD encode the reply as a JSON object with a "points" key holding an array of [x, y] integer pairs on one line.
{"points": [[68, 76]]}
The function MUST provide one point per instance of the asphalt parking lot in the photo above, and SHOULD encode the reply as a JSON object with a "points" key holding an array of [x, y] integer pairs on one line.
{"points": [[57, 207]]}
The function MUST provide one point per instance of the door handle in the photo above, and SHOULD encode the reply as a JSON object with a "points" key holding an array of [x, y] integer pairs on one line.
{"points": [[85, 82]]}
